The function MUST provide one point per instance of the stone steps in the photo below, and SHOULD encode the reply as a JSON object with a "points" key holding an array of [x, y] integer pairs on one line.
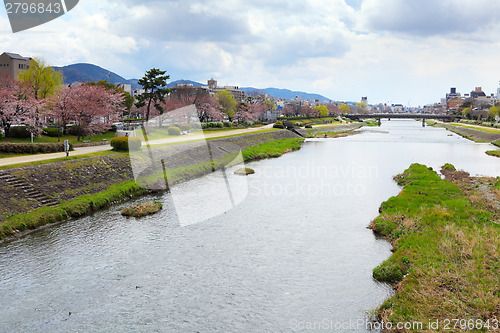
{"points": [[30, 191]]}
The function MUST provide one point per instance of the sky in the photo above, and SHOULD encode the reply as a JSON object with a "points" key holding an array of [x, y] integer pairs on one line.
{"points": [[391, 51]]}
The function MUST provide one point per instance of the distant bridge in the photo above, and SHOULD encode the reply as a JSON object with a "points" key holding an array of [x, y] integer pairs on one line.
{"points": [[390, 116]]}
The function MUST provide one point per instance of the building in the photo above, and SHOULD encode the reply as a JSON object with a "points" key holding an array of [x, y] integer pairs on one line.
{"points": [[480, 100], [125, 87], [235, 90], [11, 64]]}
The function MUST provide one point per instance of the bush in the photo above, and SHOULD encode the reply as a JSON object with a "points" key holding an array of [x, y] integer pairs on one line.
{"points": [[33, 148], [278, 124], [228, 124], [174, 131], [19, 132], [186, 127], [75, 130], [298, 124], [124, 143], [113, 128], [308, 126], [52, 132], [204, 125]]}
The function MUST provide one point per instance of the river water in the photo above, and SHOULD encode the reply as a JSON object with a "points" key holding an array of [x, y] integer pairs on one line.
{"points": [[294, 256]]}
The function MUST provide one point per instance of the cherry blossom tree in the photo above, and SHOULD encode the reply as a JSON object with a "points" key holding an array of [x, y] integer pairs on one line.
{"points": [[8, 88], [92, 107]]}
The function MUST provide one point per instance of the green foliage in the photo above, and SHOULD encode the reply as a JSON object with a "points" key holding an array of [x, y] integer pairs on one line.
{"points": [[42, 80], [308, 126], [154, 83], [449, 166], [172, 130], [186, 127], [123, 143], [344, 108], [32, 148], [75, 130], [227, 102], [322, 110], [279, 124], [19, 132], [52, 132], [228, 124]]}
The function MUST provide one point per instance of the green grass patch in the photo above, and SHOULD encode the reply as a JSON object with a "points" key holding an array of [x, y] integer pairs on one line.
{"points": [[62, 159], [145, 209], [495, 153], [272, 149], [478, 127], [446, 261], [244, 172]]}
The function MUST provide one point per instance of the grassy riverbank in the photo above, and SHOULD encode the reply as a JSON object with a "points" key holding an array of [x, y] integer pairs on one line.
{"points": [[82, 205], [446, 239]]}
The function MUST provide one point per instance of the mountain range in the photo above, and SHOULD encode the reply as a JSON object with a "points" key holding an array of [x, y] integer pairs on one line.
{"points": [[88, 72]]}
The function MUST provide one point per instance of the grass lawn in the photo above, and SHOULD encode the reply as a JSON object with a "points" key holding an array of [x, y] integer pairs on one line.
{"points": [[445, 262], [478, 127], [70, 158]]}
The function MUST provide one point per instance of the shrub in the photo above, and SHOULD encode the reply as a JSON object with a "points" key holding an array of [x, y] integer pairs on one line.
{"points": [[75, 130], [278, 124], [186, 127], [228, 124], [52, 132], [174, 131], [204, 125], [113, 128], [19, 132], [33, 148], [298, 124], [124, 143], [308, 126]]}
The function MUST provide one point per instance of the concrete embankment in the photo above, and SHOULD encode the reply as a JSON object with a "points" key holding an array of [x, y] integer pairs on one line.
{"points": [[472, 134], [67, 180]]}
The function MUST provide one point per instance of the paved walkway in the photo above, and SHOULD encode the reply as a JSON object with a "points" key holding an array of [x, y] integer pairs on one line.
{"points": [[89, 150]]}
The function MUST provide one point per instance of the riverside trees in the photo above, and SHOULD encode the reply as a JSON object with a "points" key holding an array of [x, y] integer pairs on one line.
{"points": [[91, 107]]}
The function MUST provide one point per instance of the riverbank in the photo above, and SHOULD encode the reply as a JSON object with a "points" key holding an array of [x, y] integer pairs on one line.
{"points": [[475, 134], [86, 185], [446, 258]]}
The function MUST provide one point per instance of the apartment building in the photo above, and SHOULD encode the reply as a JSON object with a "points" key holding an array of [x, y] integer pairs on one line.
{"points": [[11, 64]]}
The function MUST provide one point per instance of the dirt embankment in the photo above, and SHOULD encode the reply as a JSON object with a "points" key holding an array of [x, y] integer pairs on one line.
{"points": [[70, 179], [472, 134]]}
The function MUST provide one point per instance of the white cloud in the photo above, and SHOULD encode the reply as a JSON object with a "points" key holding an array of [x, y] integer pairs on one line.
{"points": [[388, 50]]}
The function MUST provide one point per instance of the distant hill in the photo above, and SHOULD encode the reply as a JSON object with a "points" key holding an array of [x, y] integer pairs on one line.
{"points": [[287, 94], [88, 72]]}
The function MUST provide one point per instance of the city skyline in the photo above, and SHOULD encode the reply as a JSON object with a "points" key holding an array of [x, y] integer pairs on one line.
{"points": [[390, 51]]}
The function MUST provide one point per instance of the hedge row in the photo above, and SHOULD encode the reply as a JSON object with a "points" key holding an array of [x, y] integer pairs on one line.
{"points": [[124, 143], [33, 148]]}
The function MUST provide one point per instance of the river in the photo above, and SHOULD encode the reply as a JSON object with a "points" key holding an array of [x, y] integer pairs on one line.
{"points": [[295, 255]]}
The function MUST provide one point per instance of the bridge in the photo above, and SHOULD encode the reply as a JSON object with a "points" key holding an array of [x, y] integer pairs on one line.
{"points": [[390, 116]]}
